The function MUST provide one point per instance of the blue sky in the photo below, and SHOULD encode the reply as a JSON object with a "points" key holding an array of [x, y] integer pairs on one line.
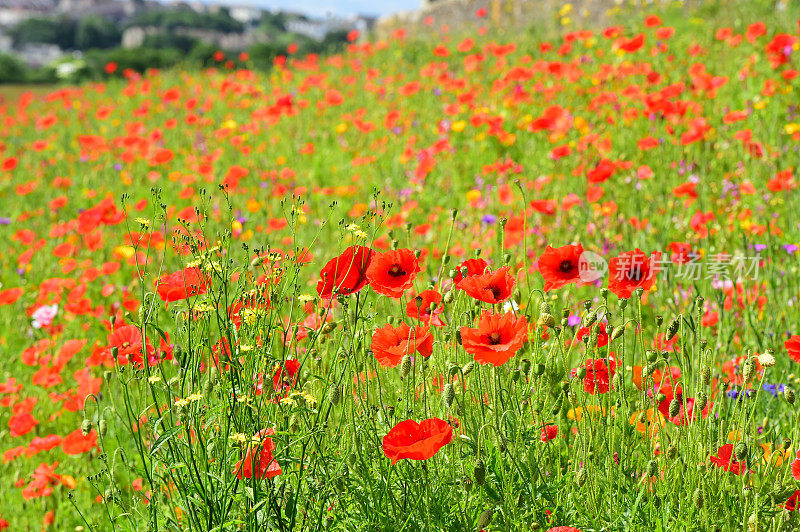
{"points": [[322, 7]]}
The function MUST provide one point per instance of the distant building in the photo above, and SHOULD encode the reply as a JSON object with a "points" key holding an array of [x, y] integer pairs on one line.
{"points": [[13, 12], [318, 28]]}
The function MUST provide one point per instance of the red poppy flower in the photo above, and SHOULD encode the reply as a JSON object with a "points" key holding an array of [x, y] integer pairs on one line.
{"points": [[490, 287], [420, 307], [796, 466], [473, 267], [564, 529], [560, 266], [416, 441], [631, 270], [76, 443], [393, 272], [346, 274], [598, 374], [258, 461], [602, 336], [390, 344], [496, 338], [687, 413], [548, 432], [793, 347], [727, 461], [791, 502], [181, 285]]}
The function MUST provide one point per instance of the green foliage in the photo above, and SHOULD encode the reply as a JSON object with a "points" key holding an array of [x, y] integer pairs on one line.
{"points": [[59, 31], [96, 32], [12, 70], [170, 19]]}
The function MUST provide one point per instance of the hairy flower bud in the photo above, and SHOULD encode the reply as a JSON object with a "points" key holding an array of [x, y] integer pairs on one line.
{"points": [[334, 394], [468, 367], [705, 374], [741, 451], [479, 472], [102, 427], [674, 408], [405, 366], [697, 498], [581, 476], [86, 427], [652, 468], [448, 394], [672, 328], [788, 394], [485, 519]]}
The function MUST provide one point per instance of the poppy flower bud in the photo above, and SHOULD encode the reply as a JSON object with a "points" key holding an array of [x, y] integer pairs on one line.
{"points": [[485, 519], [642, 418], [697, 498], [458, 336], [448, 297], [705, 374], [652, 468], [748, 369], [702, 401], [525, 366], [699, 302], [454, 214], [672, 451], [467, 483], [648, 370], [506, 258], [405, 366], [517, 297], [334, 394], [580, 373], [329, 327], [674, 408], [86, 427], [591, 318], [788, 394], [102, 427], [545, 308], [546, 320], [452, 273], [448, 394], [741, 451], [479, 472], [672, 328], [581, 477], [615, 332], [539, 370], [468, 367]]}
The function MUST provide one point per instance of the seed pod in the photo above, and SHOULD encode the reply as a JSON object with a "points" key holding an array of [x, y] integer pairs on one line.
{"points": [[545, 308], [525, 366], [86, 427], [485, 519], [479, 472], [102, 427], [580, 373], [539, 370], [581, 476], [648, 370], [659, 320], [652, 356], [590, 319], [697, 498], [672, 328], [674, 408], [448, 394], [741, 451], [786, 444], [448, 297], [623, 303], [405, 366]]}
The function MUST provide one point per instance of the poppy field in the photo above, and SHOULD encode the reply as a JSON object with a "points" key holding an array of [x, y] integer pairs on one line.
{"points": [[486, 281]]}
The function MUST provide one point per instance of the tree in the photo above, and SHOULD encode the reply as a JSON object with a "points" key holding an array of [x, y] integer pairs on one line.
{"points": [[96, 32]]}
